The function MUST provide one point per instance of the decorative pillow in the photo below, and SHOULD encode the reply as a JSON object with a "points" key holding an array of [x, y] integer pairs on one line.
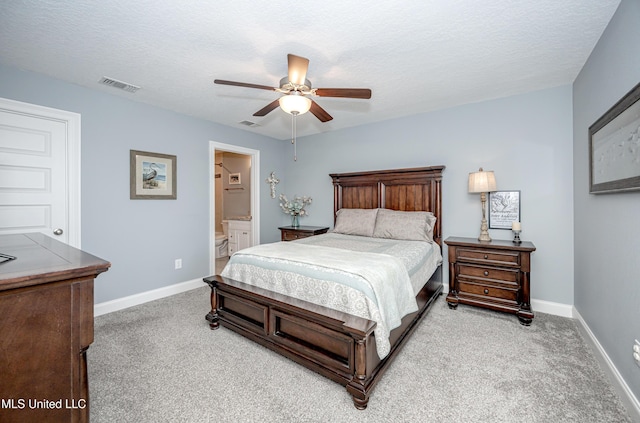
{"points": [[355, 221], [405, 225], [431, 224]]}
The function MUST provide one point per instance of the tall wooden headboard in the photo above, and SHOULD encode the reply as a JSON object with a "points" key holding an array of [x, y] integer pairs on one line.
{"points": [[415, 189]]}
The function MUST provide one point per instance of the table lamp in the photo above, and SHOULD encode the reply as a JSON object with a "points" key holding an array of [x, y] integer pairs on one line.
{"points": [[482, 182]]}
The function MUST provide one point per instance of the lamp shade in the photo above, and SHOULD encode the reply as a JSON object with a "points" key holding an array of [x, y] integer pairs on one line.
{"points": [[295, 103], [482, 181]]}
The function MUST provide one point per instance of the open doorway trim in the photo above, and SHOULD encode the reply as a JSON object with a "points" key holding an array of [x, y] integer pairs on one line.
{"points": [[255, 195]]}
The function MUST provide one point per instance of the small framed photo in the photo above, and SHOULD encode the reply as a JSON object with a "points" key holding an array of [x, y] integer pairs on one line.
{"points": [[234, 179], [152, 176], [504, 209]]}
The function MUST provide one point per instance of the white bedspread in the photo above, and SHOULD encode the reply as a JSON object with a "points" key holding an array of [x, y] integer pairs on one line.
{"points": [[374, 286]]}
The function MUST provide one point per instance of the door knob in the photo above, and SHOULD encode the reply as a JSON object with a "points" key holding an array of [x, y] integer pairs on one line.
{"points": [[57, 231]]}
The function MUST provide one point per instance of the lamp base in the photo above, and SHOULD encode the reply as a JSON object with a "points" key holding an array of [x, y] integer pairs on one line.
{"points": [[484, 232], [484, 237]]}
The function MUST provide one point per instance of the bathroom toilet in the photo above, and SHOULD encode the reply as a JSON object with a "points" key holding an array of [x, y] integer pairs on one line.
{"points": [[222, 243]]}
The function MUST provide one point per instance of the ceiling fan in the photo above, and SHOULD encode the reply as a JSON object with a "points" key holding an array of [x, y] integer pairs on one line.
{"points": [[296, 89]]}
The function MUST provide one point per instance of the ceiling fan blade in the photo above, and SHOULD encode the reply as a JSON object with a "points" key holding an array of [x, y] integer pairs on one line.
{"points": [[298, 67], [243, 84], [268, 108], [319, 112], [344, 92]]}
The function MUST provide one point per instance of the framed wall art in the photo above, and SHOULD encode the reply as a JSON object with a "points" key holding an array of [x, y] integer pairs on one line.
{"points": [[614, 147], [504, 209], [152, 176], [235, 179]]}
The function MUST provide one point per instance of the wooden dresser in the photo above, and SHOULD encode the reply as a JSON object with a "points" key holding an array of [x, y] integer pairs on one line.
{"points": [[291, 233], [494, 275], [46, 327]]}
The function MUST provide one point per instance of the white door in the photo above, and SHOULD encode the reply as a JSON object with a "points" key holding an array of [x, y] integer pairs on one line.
{"points": [[38, 187]]}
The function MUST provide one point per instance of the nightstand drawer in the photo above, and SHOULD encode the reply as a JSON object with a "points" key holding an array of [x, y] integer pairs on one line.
{"points": [[502, 258], [293, 235], [480, 290], [486, 272]]}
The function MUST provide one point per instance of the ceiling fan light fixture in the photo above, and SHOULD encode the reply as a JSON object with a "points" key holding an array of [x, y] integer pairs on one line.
{"points": [[295, 103]]}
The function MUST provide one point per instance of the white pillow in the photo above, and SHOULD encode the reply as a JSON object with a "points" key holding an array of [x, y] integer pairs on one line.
{"points": [[355, 221], [405, 225]]}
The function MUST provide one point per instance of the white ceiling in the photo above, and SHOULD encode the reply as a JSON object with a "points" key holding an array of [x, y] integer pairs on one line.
{"points": [[416, 56]]}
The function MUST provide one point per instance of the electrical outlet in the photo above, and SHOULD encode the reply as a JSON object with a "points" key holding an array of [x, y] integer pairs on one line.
{"points": [[178, 264], [636, 352]]}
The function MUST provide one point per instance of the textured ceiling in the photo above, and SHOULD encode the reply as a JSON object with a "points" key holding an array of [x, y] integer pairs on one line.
{"points": [[416, 56]]}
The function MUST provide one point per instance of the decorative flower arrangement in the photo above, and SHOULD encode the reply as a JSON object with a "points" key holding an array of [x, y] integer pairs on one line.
{"points": [[295, 207]]}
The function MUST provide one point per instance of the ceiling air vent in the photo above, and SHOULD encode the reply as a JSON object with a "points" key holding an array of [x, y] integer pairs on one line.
{"points": [[119, 84], [248, 123]]}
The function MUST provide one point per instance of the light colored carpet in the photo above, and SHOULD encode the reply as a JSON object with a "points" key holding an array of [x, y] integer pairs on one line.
{"points": [[160, 362]]}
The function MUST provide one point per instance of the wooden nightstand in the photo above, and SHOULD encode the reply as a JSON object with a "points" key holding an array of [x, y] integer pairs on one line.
{"points": [[291, 233], [493, 275]]}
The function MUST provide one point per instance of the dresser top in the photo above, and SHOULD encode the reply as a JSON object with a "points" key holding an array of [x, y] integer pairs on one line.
{"points": [[499, 244], [41, 259]]}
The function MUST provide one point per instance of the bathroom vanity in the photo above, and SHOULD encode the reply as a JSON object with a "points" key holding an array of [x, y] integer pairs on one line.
{"points": [[239, 235]]}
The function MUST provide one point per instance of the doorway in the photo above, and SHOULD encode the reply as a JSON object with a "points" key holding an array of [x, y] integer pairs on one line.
{"points": [[40, 171], [234, 178]]}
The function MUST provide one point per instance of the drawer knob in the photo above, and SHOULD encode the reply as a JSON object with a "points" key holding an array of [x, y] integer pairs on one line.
{"points": [[486, 256], [486, 291], [486, 273]]}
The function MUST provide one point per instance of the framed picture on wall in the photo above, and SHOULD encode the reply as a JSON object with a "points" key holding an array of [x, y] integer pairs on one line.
{"points": [[152, 176], [504, 209], [614, 147], [234, 179]]}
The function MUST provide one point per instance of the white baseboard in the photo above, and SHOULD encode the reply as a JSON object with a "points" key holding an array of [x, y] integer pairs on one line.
{"points": [[631, 402], [557, 309], [542, 306], [145, 297], [548, 307]]}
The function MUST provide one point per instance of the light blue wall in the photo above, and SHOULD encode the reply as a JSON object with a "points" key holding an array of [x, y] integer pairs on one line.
{"points": [[607, 227], [142, 238], [526, 140]]}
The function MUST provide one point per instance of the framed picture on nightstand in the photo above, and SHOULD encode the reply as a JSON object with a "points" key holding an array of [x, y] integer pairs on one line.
{"points": [[504, 209]]}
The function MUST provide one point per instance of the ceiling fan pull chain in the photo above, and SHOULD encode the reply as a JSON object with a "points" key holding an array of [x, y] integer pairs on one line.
{"points": [[293, 132]]}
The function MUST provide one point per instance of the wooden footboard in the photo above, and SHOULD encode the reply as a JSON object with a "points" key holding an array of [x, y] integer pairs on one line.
{"points": [[334, 344]]}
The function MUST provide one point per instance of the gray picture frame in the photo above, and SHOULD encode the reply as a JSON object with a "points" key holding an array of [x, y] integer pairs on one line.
{"points": [[504, 209], [152, 176], [614, 147]]}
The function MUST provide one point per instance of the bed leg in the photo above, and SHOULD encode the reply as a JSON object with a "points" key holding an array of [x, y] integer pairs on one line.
{"points": [[356, 386], [212, 317], [358, 393], [361, 404]]}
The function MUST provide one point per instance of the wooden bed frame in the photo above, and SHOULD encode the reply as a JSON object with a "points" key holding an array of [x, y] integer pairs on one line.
{"points": [[337, 345]]}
